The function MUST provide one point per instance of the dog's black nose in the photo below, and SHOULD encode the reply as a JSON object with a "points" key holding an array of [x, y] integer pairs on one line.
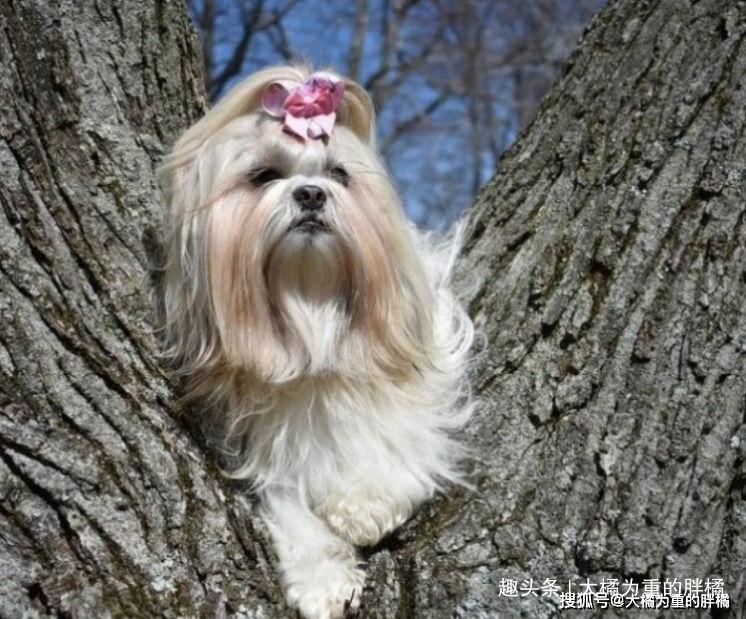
{"points": [[310, 197]]}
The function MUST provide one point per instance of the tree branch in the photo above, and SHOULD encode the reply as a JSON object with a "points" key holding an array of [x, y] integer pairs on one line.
{"points": [[360, 29], [404, 126]]}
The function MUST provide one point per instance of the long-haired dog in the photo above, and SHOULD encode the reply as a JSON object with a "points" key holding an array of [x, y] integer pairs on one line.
{"points": [[315, 321]]}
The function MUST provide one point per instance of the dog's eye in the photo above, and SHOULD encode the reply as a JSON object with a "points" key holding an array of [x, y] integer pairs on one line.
{"points": [[263, 176], [339, 174]]}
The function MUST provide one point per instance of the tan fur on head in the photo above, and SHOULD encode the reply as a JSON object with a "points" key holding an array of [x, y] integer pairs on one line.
{"points": [[356, 111]]}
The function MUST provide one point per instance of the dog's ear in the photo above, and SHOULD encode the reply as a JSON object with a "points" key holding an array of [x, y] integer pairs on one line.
{"points": [[357, 112], [242, 99]]}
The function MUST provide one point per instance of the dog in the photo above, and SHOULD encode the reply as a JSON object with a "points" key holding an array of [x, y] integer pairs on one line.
{"points": [[314, 321]]}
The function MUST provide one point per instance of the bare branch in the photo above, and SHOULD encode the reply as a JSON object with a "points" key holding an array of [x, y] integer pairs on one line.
{"points": [[255, 20], [390, 25], [406, 69], [355, 54], [280, 43], [235, 62], [409, 123], [204, 17]]}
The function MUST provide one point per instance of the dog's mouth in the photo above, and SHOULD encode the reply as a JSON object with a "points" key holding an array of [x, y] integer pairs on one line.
{"points": [[310, 224]]}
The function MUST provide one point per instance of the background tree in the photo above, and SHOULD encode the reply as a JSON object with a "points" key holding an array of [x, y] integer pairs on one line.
{"points": [[604, 265], [453, 81]]}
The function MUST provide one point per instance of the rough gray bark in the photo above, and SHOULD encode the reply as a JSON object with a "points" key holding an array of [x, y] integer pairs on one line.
{"points": [[604, 266], [609, 266], [106, 505]]}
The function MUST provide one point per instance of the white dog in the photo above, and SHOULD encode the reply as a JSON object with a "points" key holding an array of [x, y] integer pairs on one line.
{"points": [[314, 321]]}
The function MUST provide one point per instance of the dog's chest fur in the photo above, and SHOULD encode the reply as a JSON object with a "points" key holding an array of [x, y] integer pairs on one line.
{"points": [[322, 434]]}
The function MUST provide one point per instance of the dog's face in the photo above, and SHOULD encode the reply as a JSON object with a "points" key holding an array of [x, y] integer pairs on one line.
{"points": [[299, 218], [292, 257]]}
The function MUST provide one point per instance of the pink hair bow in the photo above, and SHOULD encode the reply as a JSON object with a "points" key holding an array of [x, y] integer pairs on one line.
{"points": [[308, 110]]}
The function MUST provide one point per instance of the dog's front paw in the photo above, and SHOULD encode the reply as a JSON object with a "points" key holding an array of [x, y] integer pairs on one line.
{"points": [[327, 588], [363, 519]]}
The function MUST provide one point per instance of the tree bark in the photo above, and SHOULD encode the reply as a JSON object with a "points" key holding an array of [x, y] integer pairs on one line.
{"points": [[607, 269], [107, 507], [604, 267]]}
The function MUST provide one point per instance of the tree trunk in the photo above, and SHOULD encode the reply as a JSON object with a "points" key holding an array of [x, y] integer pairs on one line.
{"points": [[607, 268], [604, 266], [107, 507]]}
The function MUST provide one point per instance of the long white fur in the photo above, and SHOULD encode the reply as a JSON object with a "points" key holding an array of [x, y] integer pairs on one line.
{"points": [[334, 361]]}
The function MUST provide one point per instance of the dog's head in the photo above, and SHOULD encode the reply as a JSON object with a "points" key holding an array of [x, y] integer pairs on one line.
{"points": [[289, 254]]}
